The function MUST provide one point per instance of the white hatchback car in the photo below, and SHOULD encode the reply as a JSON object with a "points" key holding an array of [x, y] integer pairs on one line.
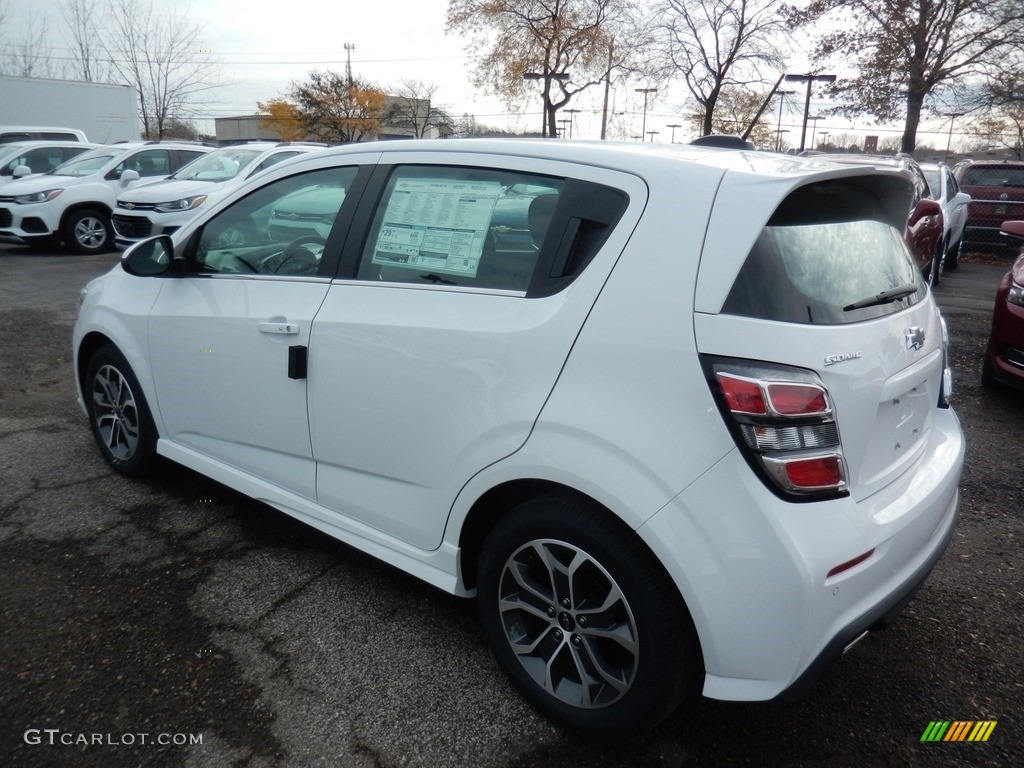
{"points": [[164, 206], [72, 203], [676, 416]]}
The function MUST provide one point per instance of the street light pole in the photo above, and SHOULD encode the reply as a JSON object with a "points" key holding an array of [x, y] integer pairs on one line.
{"points": [[652, 134], [810, 79], [645, 91], [673, 126], [778, 128], [572, 118], [778, 138], [949, 139], [545, 94]]}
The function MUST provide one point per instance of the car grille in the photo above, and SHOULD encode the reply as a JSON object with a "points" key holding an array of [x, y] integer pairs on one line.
{"points": [[6, 217], [136, 206], [132, 226]]}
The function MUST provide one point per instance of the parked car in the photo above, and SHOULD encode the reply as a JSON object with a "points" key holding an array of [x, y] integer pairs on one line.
{"points": [[996, 188], [946, 191], [72, 203], [23, 158], [696, 438], [162, 207], [924, 224], [1004, 356], [11, 133]]}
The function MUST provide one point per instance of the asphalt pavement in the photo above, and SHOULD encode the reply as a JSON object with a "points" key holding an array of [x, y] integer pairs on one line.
{"points": [[173, 622]]}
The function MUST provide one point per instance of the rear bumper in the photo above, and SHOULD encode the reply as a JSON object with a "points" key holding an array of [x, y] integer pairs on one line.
{"points": [[876, 619], [758, 574]]}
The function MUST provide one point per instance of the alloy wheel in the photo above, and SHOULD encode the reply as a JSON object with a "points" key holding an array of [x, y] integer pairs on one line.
{"points": [[115, 412], [568, 623]]}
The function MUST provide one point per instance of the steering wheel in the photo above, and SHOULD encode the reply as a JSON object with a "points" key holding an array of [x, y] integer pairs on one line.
{"points": [[296, 259]]}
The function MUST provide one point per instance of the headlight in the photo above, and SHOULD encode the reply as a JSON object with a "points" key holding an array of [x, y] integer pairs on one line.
{"points": [[184, 204], [1016, 294], [39, 197]]}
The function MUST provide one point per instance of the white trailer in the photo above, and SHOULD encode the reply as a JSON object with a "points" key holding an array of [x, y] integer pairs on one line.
{"points": [[106, 112]]}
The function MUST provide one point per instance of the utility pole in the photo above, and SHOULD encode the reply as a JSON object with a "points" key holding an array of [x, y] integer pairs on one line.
{"points": [[810, 79], [673, 126], [645, 92], [607, 87], [349, 47]]}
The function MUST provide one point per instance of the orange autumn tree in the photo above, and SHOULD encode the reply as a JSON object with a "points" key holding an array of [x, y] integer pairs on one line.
{"points": [[328, 107], [283, 118]]}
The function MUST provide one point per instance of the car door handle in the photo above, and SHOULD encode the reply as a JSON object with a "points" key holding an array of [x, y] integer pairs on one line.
{"points": [[288, 329]]}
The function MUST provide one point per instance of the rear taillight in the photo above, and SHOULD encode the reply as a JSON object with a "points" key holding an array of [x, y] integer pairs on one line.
{"points": [[784, 423]]}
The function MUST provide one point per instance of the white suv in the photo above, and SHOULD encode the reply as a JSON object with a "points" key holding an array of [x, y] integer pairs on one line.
{"points": [[164, 206], [676, 416], [73, 201]]}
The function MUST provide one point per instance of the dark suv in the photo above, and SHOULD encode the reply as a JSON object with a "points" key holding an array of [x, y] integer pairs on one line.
{"points": [[996, 188]]}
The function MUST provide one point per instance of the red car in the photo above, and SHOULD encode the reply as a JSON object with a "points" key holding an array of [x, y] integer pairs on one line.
{"points": [[925, 226], [1004, 359], [996, 188]]}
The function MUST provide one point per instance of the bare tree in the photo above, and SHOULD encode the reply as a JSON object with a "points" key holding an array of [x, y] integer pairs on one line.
{"points": [[904, 51], [414, 109], [82, 33], [32, 55], [722, 44], [159, 54], [561, 44]]}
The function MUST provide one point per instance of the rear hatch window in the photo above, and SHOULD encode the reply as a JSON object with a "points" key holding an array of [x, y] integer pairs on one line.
{"points": [[827, 256]]}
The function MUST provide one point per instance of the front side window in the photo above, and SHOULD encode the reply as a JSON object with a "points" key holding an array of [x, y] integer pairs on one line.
{"points": [[279, 229], [149, 162], [460, 226], [821, 259], [39, 160], [274, 159]]}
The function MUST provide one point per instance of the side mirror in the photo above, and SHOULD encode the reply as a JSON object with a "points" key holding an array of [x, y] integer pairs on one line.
{"points": [[129, 176], [21, 170], [961, 198], [926, 207], [150, 258]]}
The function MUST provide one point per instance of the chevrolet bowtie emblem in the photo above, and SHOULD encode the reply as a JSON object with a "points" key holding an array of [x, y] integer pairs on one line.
{"points": [[129, 206], [915, 338]]}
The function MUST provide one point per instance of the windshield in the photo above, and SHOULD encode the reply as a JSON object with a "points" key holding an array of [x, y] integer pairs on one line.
{"points": [[89, 163], [221, 165]]}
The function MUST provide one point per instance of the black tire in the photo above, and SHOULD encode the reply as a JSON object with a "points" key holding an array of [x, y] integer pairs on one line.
{"points": [[118, 413], [938, 265], [953, 257], [987, 379], [646, 676], [42, 242], [88, 231]]}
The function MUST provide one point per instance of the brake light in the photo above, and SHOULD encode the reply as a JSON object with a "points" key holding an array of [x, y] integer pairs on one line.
{"points": [[784, 422]]}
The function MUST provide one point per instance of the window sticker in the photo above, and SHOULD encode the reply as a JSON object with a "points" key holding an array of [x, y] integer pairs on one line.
{"points": [[436, 224]]}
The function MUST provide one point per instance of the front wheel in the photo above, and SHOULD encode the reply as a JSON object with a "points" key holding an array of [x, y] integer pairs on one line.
{"points": [[88, 231], [118, 414], [585, 622], [953, 257]]}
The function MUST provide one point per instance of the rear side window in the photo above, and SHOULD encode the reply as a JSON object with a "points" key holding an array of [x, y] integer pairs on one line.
{"points": [[460, 226], [994, 177], [827, 247]]}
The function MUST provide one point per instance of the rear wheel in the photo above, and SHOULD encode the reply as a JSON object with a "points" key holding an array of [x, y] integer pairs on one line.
{"points": [[938, 264], [88, 231], [586, 624], [118, 414]]}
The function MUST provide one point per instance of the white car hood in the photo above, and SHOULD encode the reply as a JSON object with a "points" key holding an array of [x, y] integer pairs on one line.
{"points": [[167, 189], [37, 182]]}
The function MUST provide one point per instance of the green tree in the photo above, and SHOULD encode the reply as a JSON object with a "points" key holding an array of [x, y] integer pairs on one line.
{"points": [[549, 40], [718, 45], [904, 50]]}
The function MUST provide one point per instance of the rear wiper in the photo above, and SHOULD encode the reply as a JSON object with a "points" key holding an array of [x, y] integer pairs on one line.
{"points": [[884, 297]]}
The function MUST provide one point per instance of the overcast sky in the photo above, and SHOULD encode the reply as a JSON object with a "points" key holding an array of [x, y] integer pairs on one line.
{"points": [[262, 50]]}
